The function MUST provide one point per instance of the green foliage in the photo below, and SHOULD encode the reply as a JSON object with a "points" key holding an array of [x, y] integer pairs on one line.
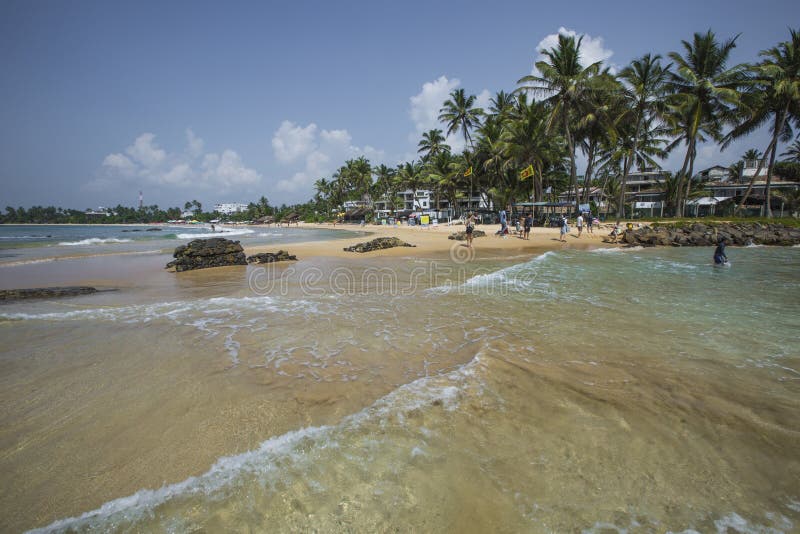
{"points": [[788, 170]]}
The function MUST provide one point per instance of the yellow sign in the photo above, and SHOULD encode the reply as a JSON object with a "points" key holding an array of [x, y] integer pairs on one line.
{"points": [[527, 172], [468, 172], [425, 219]]}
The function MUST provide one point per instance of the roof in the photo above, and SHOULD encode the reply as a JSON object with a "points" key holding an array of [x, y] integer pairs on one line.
{"points": [[706, 201]]}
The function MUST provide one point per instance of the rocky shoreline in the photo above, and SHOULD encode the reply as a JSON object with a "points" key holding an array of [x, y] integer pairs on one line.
{"points": [[44, 292], [378, 244], [701, 235]]}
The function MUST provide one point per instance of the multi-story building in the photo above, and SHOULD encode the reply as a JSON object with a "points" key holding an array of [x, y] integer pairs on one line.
{"points": [[230, 208]]}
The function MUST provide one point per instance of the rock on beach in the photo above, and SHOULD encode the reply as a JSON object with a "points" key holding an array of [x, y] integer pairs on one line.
{"points": [[462, 236], [271, 257], [206, 253], [378, 244], [44, 292]]}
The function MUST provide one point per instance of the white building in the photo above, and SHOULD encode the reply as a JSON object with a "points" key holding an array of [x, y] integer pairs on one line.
{"points": [[230, 208]]}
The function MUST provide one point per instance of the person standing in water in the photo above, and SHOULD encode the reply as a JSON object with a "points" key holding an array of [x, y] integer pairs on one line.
{"points": [[720, 258]]}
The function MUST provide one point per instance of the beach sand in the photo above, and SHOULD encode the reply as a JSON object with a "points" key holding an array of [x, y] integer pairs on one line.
{"points": [[432, 240]]}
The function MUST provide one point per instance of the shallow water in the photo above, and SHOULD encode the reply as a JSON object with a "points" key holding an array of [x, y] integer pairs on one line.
{"points": [[25, 245], [596, 391]]}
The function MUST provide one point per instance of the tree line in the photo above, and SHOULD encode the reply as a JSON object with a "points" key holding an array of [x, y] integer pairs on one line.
{"points": [[619, 122]]}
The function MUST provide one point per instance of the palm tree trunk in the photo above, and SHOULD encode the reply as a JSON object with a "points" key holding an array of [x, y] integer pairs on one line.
{"points": [[573, 176], [691, 172], [678, 199], [779, 124], [770, 147], [767, 189], [587, 177], [622, 187], [629, 161]]}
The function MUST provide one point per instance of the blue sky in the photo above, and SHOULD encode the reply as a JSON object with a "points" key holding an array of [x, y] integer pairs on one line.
{"points": [[228, 101]]}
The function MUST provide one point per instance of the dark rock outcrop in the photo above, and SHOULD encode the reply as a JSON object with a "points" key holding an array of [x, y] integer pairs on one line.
{"points": [[701, 235], [205, 253], [378, 244], [44, 292], [270, 257], [462, 236]]}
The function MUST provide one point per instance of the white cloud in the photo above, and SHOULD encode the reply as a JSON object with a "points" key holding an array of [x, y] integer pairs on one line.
{"points": [[291, 142], [145, 152], [592, 48], [323, 154], [119, 163], [180, 175], [146, 163], [229, 171], [195, 145], [426, 106]]}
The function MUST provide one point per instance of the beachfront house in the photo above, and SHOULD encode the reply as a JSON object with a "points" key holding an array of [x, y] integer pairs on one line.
{"points": [[230, 208]]}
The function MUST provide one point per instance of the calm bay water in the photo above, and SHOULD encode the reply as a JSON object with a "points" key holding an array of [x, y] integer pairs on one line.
{"points": [[595, 391], [26, 244]]}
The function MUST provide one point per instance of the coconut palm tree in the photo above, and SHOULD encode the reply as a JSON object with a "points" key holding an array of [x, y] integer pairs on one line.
{"points": [[775, 99], [643, 89], [410, 176], [441, 172], [793, 152], [704, 93], [529, 142], [432, 144], [564, 82], [459, 113]]}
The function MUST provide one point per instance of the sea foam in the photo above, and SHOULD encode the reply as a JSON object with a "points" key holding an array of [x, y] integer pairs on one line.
{"points": [[94, 241], [220, 233], [293, 451]]}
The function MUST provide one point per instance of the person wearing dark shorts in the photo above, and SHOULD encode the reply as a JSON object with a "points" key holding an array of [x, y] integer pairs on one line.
{"points": [[470, 228], [527, 227]]}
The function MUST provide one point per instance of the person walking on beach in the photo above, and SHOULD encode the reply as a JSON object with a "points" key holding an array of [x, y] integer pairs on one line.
{"points": [[579, 224], [470, 228], [527, 227], [589, 224], [564, 228]]}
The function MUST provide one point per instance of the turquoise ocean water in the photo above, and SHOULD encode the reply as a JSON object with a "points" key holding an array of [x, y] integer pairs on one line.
{"points": [[638, 390]]}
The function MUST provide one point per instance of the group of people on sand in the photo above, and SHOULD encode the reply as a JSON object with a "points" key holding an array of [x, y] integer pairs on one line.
{"points": [[584, 220]]}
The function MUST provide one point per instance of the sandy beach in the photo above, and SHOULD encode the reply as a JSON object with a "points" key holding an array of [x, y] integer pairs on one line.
{"points": [[526, 385], [433, 240]]}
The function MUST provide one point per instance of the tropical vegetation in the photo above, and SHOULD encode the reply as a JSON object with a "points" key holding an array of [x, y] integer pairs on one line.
{"points": [[525, 145]]}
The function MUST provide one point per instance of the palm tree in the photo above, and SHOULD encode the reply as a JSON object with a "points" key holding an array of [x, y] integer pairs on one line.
{"points": [[703, 91], [793, 152], [410, 176], [432, 144], [460, 113], [643, 89], [502, 105], [775, 99], [441, 170], [566, 83], [529, 142]]}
